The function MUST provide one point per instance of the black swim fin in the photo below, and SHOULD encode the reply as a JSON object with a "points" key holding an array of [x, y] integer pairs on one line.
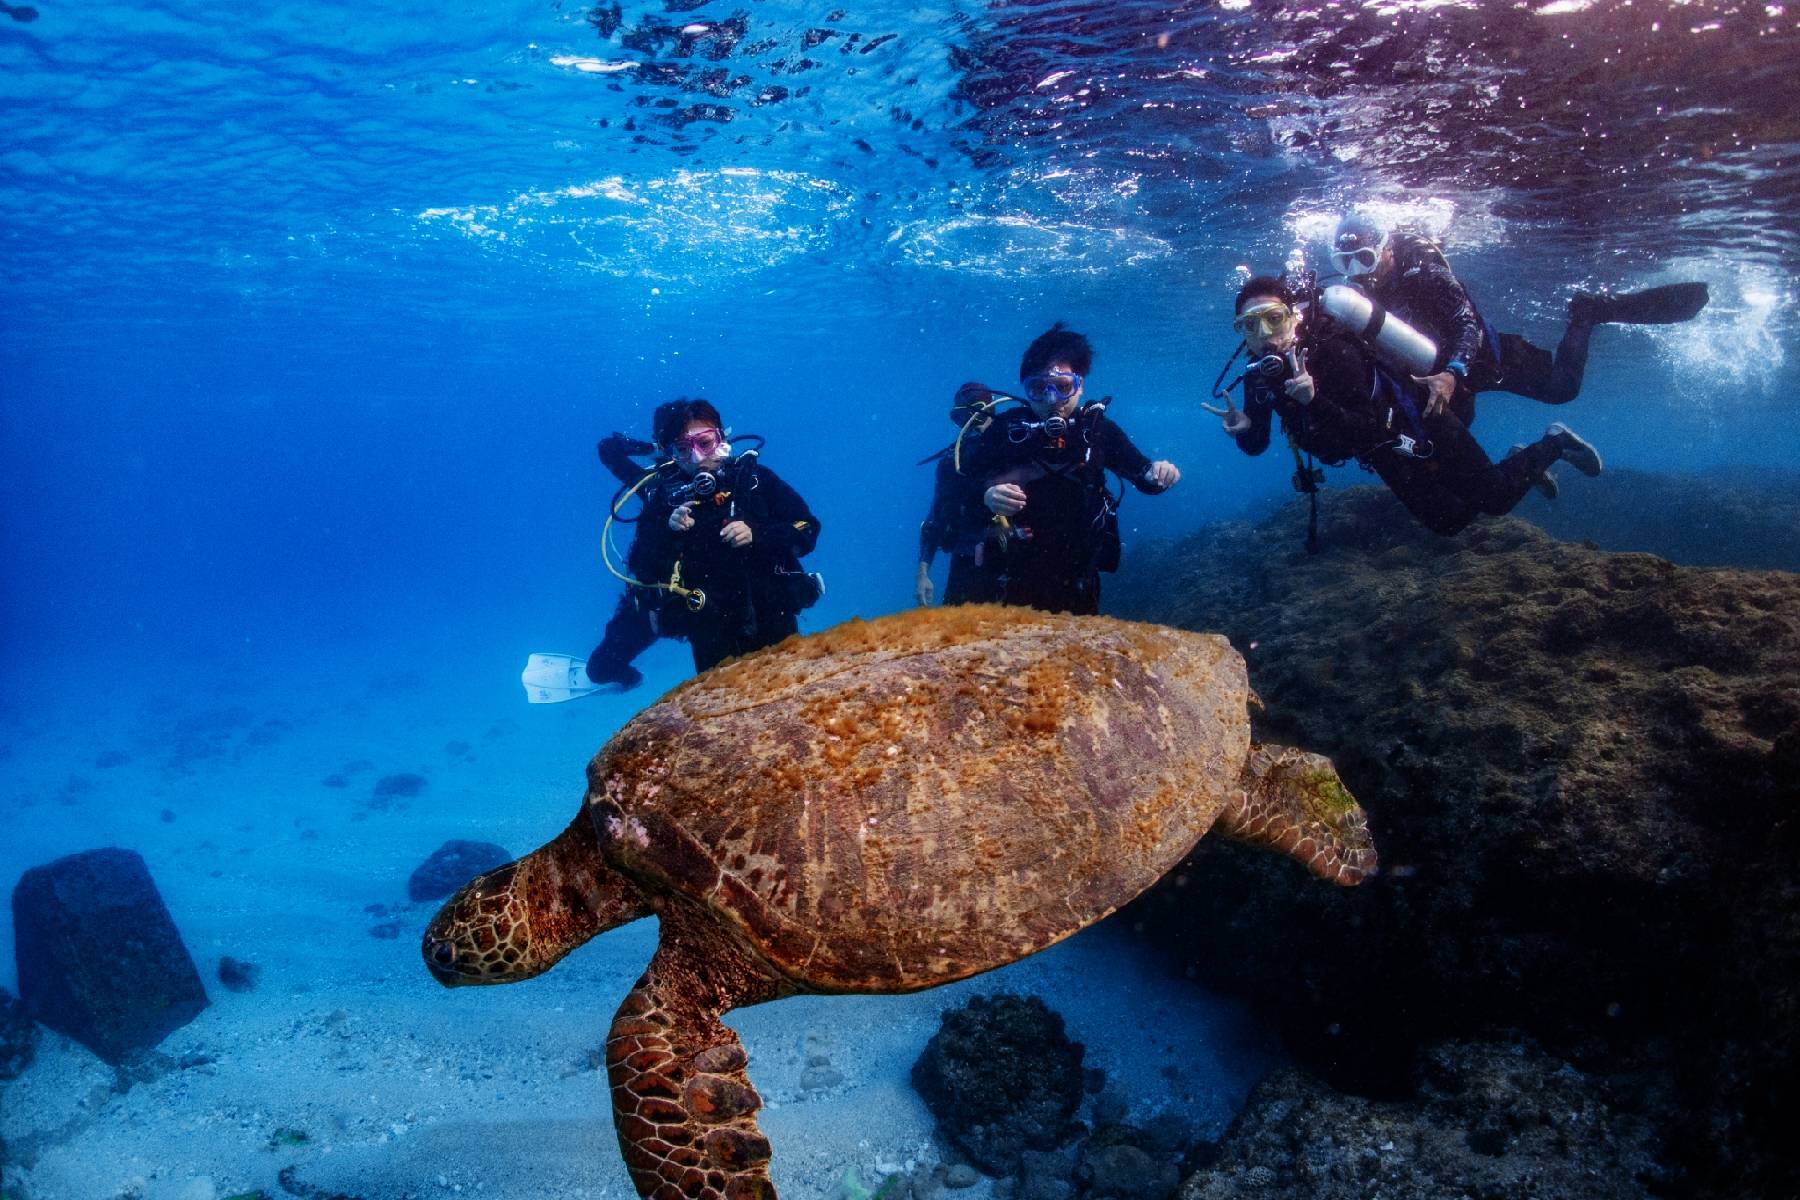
{"points": [[1670, 304]]}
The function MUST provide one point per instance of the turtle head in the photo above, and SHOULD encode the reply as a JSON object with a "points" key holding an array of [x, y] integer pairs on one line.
{"points": [[519, 920], [483, 934], [1293, 802]]}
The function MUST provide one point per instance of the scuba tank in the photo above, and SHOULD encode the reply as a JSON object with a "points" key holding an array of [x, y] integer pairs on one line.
{"points": [[1393, 339]]}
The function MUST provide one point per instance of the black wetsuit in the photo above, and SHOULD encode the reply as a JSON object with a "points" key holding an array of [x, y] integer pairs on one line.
{"points": [[957, 524], [630, 630], [1422, 290], [1363, 412], [754, 593], [1068, 532]]}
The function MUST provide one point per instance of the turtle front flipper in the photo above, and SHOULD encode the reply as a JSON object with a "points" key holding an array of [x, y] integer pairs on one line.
{"points": [[682, 1100], [1294, 802], [519, 920]]}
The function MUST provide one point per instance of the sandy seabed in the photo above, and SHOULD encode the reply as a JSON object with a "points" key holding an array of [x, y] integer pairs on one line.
{"points": [[253, 800]]}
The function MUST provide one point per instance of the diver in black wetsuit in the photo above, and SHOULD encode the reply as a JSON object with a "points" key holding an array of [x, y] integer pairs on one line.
{"points": [[1337, 403], [713, 525], [1043, 467], [957, 522], [630, 630], [1409, 276]]}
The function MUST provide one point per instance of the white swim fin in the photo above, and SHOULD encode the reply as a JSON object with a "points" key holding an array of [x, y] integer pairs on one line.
{"points": [[553, 678]]}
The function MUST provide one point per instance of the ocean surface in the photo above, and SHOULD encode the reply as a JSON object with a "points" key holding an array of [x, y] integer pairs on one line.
{"points": [[311, 316]]}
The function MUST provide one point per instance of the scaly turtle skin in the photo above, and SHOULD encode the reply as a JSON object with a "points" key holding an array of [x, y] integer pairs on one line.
{"points": [[882, 807]]}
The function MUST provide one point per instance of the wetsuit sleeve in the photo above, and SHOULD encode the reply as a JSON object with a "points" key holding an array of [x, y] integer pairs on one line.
{"points": [[786, 522], [1440, 293], [1125, 460], [1255, 440], [939, 525], [985, 457], [616, 451], [655, 546]]}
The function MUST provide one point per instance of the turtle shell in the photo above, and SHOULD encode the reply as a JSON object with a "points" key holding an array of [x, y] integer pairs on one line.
{"points": [[895, 804]]}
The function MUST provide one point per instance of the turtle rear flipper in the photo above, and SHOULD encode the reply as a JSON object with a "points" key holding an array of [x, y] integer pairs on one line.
{"points": [[682, 1099], [1294, 802]]}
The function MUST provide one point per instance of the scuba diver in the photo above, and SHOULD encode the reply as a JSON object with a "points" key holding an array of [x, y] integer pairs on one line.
{"points": [[956, 523], [1337, 403], [1407, 275], [1043, 470], [715, 561]]}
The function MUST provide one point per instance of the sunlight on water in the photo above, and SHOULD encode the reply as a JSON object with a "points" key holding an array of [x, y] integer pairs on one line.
{"points": [[679, 226], [1019, 245]]}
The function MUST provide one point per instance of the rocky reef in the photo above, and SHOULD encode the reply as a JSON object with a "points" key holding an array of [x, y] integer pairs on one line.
{"points": [[1582, 770], [1006, 1084], [1002, 1078], [1489, 1119], [1727, 517]]}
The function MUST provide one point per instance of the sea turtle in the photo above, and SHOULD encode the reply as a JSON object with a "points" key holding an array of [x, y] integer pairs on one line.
{"points": [[882, 807]]}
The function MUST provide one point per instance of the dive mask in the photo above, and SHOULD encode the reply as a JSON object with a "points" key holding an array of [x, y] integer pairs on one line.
{"points": [[1264, 321], [1356, 263], [1050, 389], [698, 446], [1356, 252]]}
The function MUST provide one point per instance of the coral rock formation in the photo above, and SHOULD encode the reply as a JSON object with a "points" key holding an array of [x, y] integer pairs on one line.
{"points": [[1582, 769]]}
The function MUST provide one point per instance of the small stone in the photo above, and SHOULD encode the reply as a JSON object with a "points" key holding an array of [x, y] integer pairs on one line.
{"points": [[399, 786], [198, 1188], [451, 865], [387, 931], [960, 1176], [815, 1079], [238, 975], [18, 1036]]}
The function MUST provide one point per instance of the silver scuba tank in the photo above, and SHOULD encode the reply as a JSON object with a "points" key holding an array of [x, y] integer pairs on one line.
{"points": [[1398, 343]]}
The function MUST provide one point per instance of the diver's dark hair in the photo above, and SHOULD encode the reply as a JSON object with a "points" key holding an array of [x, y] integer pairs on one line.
{"points": [[1263, 285], [1058, 343], [672, 419]]}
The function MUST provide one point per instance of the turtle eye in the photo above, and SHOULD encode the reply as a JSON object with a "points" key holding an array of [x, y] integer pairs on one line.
{"points": [[443, 954]]}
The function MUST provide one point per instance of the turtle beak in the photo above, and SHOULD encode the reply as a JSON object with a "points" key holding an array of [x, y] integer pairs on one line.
{"points": [[440, 960]]}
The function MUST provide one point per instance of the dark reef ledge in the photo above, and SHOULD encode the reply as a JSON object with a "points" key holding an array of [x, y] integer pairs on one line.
{"points": [[1582, 769]]}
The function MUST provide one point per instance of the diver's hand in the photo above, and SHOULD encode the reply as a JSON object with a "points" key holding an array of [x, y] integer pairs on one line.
{"points": [[971, 394], [923, 590], [736, 534], [682, 519], [1007, 499], [1440, 387], [1299, 389], [624, 443], [1164, 474], [1235, 419]]}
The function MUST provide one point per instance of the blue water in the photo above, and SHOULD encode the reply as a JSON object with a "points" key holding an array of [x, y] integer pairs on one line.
{"points": [[313, 314]]}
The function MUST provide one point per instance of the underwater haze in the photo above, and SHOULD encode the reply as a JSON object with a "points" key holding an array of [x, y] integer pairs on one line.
{"points": [[314, 313]]}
